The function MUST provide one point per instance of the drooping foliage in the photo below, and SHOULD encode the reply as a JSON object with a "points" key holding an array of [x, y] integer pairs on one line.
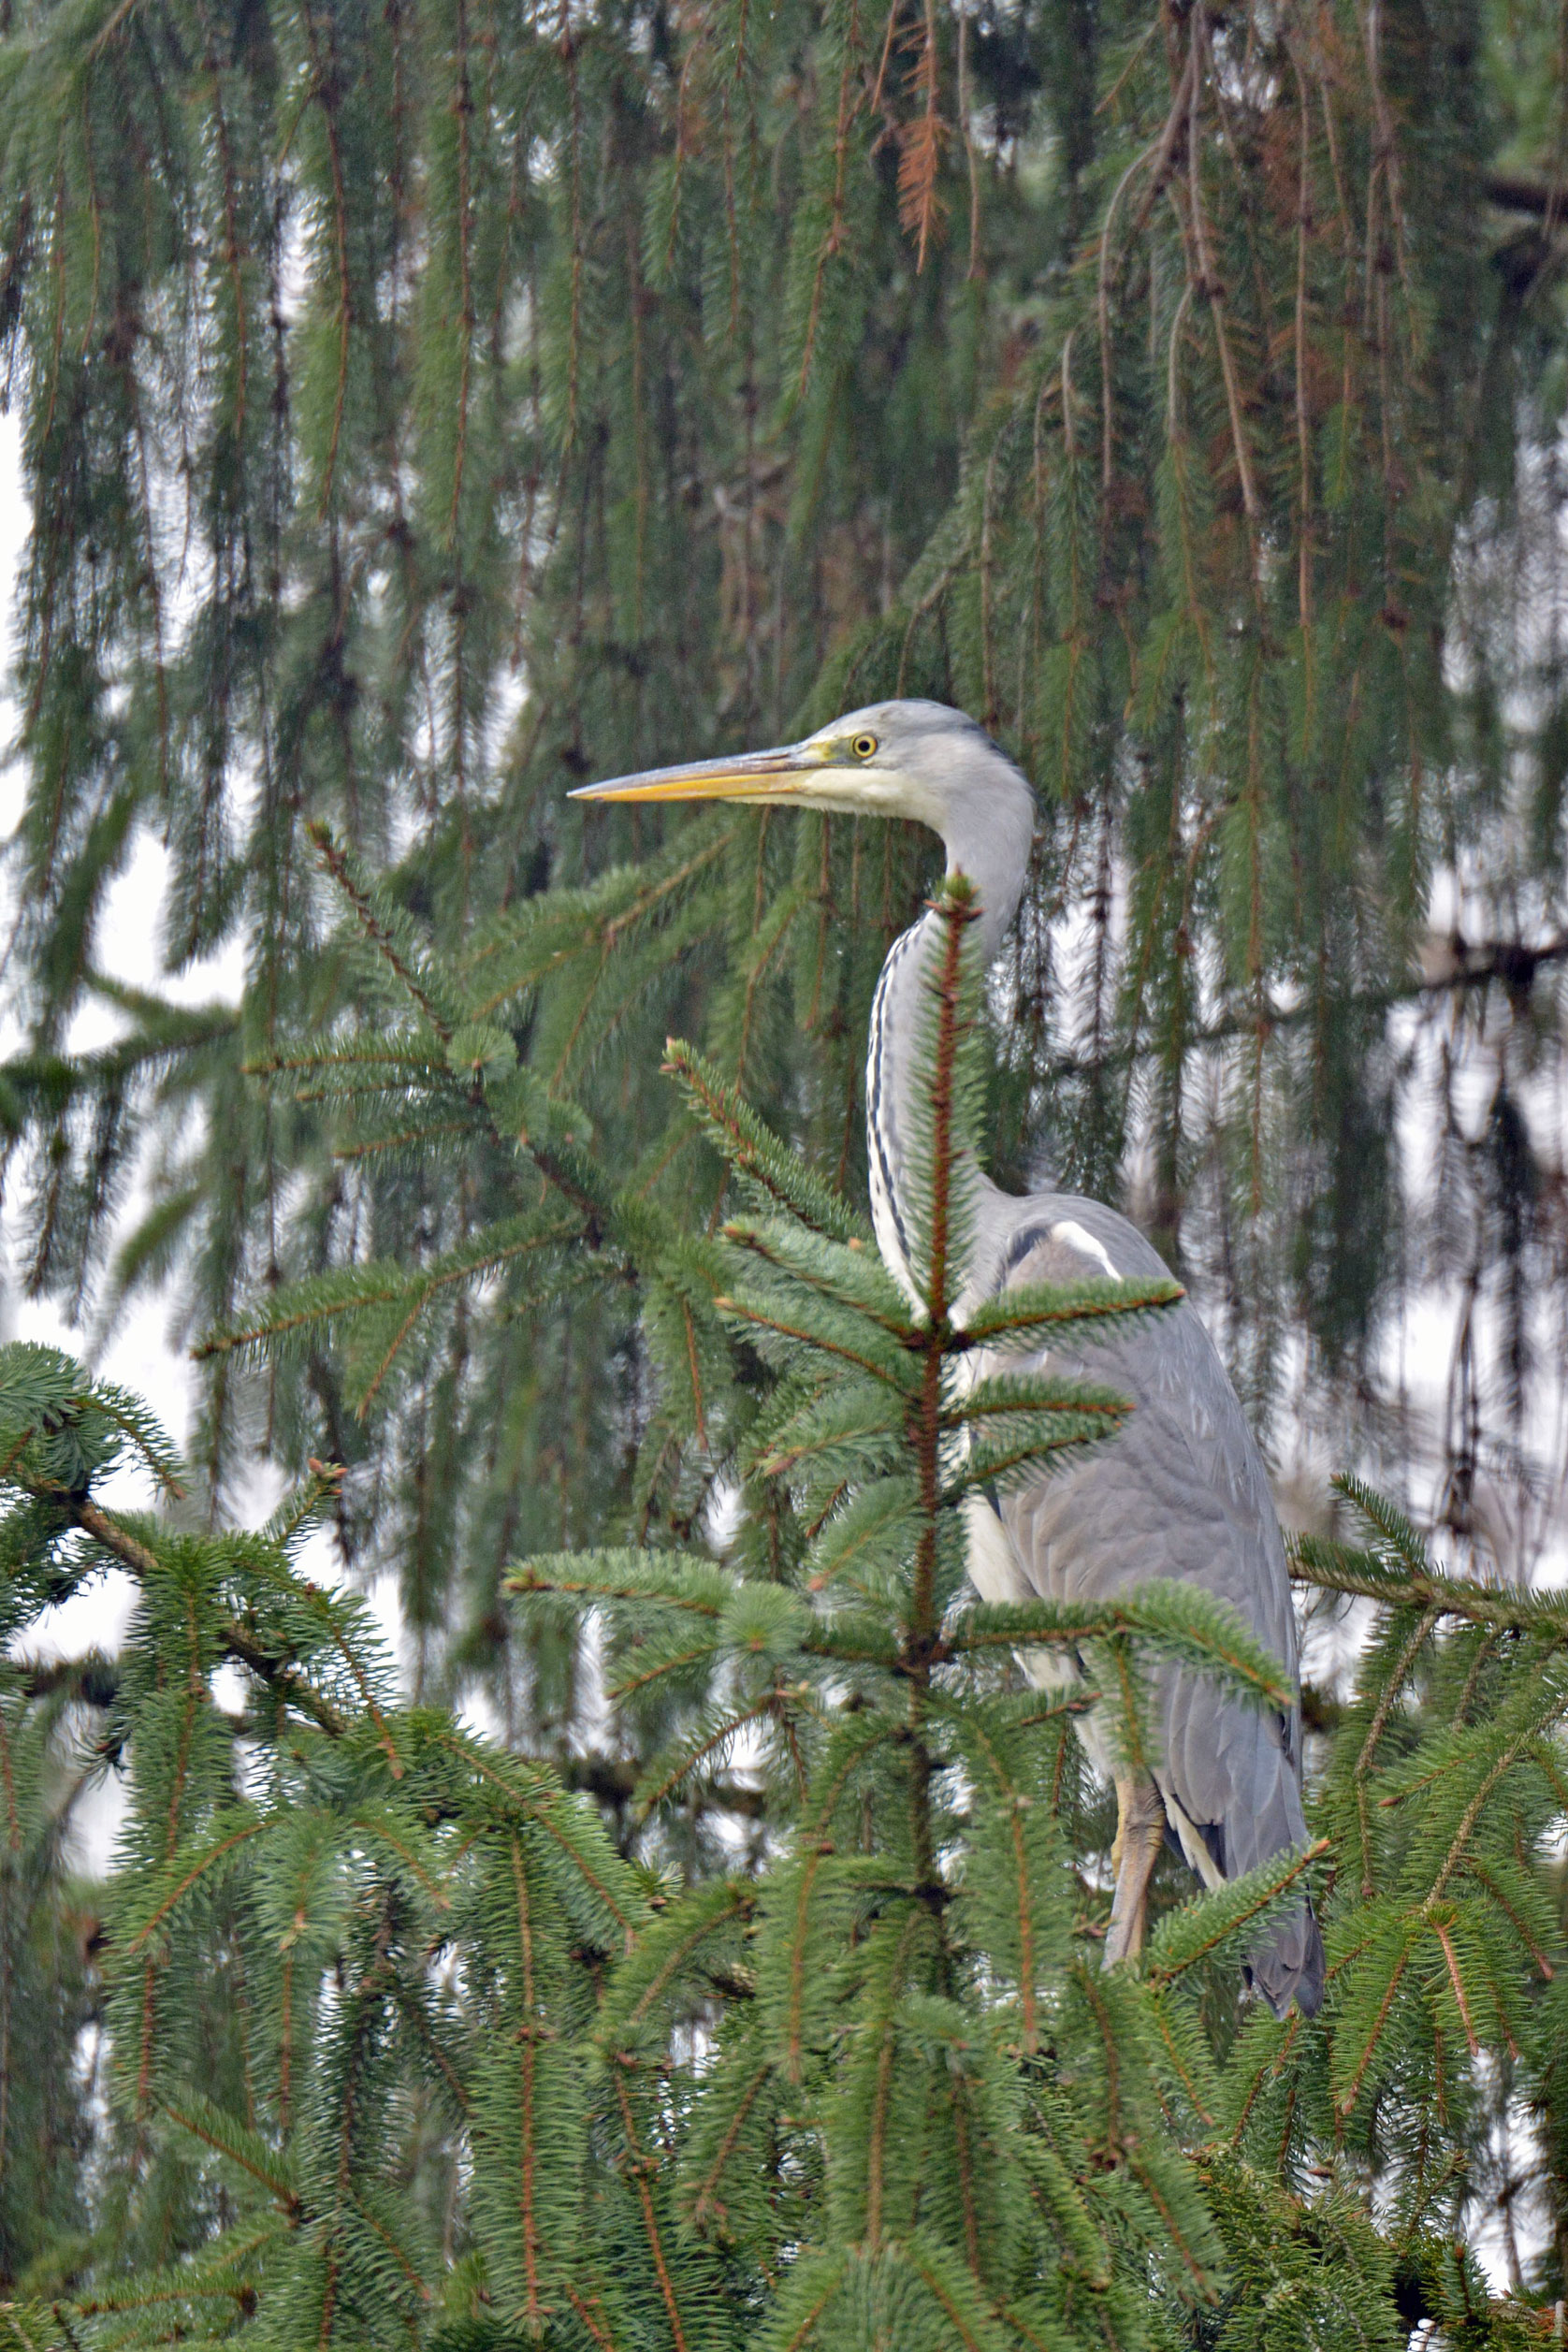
{"points": [[391, 2043], [425, 407]]}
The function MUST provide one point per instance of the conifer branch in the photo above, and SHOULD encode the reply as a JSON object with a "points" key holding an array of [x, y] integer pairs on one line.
{"points": [[744, 1313], [225, 2144], [707, 2188], [1394, 1684], [244, 1646], [1332, 1567], [722, 1734], [375, 928], [640, 2168], [756, 1154], [198, 1869], [1175, 1953]]}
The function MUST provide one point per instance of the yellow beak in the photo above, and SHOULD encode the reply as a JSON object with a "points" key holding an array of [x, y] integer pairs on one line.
{"points": [[752, 776]]}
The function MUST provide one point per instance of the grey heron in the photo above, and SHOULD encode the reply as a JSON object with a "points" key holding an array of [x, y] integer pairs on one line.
{"points": [[1181, 1491]]}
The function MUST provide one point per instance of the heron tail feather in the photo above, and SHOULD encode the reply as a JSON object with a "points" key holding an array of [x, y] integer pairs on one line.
{"points": [[1290, 1967]]}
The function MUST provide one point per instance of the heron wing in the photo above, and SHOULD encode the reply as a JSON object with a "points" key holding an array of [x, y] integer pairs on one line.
{"points": [[1179, 1492]]}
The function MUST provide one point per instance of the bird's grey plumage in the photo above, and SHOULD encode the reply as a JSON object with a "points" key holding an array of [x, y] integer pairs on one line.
{"points": [[1180, 1492]]}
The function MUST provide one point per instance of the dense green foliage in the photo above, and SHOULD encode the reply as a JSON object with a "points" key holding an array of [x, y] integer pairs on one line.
{"points": [[395, 2046]]}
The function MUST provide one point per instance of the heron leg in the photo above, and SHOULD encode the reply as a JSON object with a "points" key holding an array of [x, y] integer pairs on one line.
{"points": [[1140, 1828]]}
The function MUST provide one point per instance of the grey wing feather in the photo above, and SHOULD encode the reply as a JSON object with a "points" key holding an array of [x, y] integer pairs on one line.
{"points": [[1179, 1492]]}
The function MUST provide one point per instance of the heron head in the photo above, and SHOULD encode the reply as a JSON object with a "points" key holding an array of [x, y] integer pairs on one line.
{"points": [[904, 759]]}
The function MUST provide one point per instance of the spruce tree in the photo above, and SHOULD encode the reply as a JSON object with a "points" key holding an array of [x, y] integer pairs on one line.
{"points": [[395, 2046], [423, 410]]}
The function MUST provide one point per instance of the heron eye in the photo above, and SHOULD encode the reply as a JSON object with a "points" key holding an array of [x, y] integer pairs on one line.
{"points": [[862, 746]]}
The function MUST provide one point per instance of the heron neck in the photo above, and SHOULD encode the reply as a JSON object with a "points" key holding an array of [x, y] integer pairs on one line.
{"points": [[990, 846]]}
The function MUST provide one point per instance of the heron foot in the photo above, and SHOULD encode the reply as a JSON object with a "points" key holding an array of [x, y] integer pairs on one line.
{"points": [[1140, 1829]]}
